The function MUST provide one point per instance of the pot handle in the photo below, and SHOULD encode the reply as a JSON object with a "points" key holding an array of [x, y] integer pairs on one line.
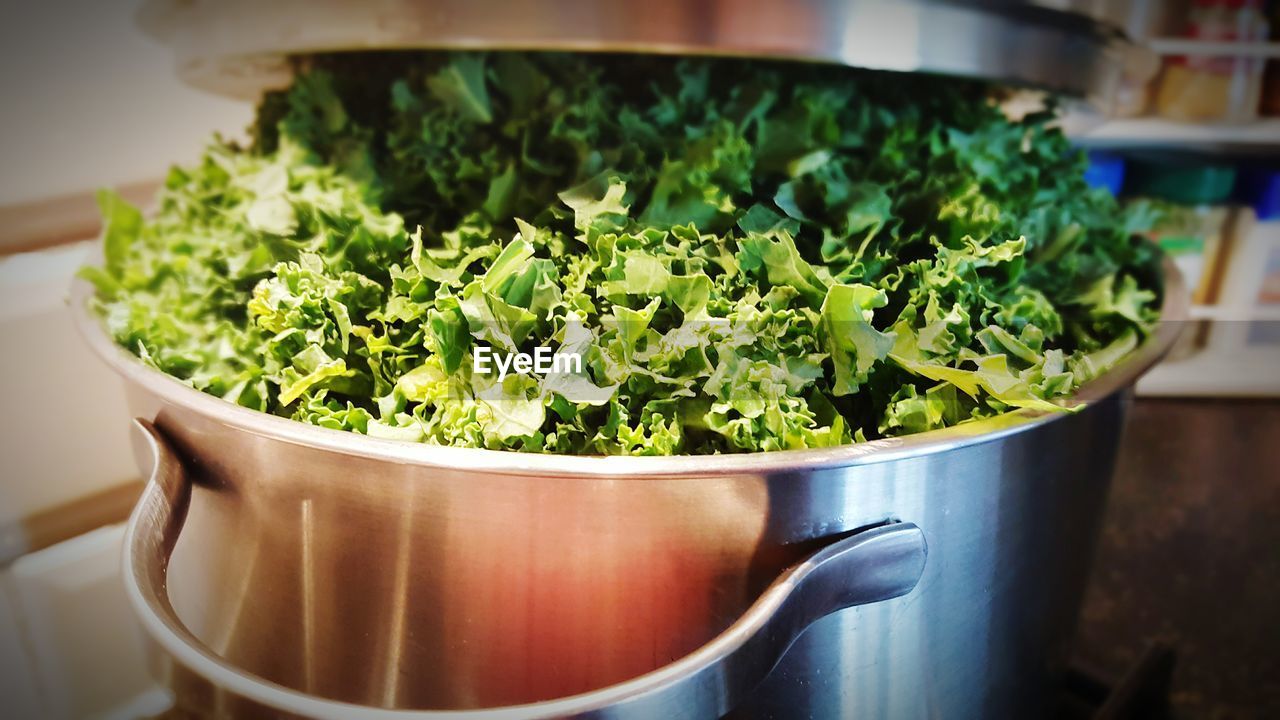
{"points": [[157, 520], [880, 563]]}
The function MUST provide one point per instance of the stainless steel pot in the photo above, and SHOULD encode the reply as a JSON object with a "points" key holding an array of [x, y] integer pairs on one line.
{"points": [[287, 569]]}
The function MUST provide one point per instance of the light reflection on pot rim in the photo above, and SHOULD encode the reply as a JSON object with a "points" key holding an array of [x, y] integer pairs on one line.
{"points": [[1173, 312]]}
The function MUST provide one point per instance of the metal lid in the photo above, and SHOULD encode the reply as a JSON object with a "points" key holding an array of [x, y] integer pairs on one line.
{"points": [[242, 47]]}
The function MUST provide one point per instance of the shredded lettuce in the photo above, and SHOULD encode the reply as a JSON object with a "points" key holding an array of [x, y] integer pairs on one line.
{"points": [[746, 256]]}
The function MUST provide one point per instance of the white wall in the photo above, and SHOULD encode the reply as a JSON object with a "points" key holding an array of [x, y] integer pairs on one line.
{"points": [[87, 100]]}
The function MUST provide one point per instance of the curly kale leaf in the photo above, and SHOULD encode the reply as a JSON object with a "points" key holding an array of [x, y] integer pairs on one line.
{"points": [[745, 256]]}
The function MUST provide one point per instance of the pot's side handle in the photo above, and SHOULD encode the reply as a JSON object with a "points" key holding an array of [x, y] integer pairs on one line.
{"points": [[156, 520], [877, 564], [880, 563]]}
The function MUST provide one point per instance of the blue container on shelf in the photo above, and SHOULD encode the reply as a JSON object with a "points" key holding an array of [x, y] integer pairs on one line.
{"points": [[1105, 170], [1260, 189]]}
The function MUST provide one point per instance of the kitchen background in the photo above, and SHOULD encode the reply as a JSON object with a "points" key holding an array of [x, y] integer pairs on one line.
{"points": [[1188, 570]]}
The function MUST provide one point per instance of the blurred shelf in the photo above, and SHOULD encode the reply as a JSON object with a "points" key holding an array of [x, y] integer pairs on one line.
{"points": [[1184, 46], [1210, 374], [1139, 132], [1213, 312]]}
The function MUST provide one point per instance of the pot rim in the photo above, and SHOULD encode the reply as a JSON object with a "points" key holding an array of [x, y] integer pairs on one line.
{"points": [[1174, 310]]}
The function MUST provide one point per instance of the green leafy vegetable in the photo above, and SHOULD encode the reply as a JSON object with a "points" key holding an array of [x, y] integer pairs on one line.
{"points": [[744, 256]]}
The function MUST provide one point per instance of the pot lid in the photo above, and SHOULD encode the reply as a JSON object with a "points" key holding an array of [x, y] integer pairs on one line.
{"points": [[242, 47]]}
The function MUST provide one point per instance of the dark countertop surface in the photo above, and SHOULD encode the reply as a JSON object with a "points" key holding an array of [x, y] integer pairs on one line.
{"points": [[1190, 556]]}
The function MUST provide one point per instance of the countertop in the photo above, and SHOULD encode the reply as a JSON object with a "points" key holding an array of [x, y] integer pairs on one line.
{"points": [[1190, 556]]}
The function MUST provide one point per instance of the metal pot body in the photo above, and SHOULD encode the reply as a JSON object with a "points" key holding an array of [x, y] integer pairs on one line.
{"points": [[284, 570], [399, 582]]}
